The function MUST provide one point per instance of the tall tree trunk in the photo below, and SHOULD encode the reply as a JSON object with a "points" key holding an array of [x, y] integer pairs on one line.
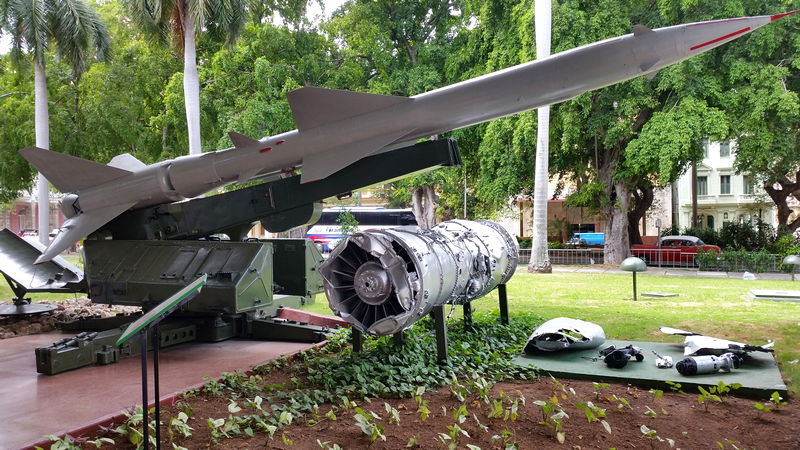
{"points": [[643, 200], [694, 196], [615, 212], [191, 84], [540, 262], [42, 125], [617, 245], [423, 203], [780, 197]]}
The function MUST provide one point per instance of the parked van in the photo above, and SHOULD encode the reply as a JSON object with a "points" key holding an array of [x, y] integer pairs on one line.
{"points": [[587, 239]]}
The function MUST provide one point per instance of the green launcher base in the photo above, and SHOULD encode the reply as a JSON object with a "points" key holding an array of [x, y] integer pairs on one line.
{"points": [[758, 375]]}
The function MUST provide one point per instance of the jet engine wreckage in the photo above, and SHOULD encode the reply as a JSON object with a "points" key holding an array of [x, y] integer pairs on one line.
{"points": [[383, 281]]}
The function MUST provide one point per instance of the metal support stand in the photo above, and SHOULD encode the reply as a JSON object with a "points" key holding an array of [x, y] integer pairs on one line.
{"points": [[503, 297], [145, 411], [21, 305], [441, 334], [141, 327], [399, 339], [145, 419], [468, 314], [156, 345], [634, 286], [358, 340]]}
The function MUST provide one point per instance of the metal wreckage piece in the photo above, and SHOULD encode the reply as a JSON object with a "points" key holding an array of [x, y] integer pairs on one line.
{"points": [[563, 332], [697, 365], [696, 344], [382, 281]]}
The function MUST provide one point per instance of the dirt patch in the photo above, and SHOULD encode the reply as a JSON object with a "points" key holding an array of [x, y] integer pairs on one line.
{"points": [[734, 423], [66, 311]]}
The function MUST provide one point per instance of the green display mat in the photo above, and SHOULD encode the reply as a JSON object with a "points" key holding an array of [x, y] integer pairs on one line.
{"points": [[758, 375]]}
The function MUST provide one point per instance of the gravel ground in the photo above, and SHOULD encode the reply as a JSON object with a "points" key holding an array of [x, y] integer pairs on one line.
{"points": [[67, 311]]}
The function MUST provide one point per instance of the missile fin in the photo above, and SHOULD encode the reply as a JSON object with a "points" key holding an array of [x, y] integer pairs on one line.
{"points": [[651, 75], [242, 141], [641, 30], [319, 165], [126, 161], [80, 226], [313, 106], [244, 177], [69, 173]]}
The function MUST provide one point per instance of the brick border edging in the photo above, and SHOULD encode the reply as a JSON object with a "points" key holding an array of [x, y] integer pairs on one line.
{"points": [[167, 400]]}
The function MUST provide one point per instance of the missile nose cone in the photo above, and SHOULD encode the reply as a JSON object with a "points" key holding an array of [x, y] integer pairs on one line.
{"points": [[775, 17]]}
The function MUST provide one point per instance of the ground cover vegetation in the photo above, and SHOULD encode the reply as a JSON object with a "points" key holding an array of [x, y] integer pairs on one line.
{"points": [[399, 397], [614, 144]]}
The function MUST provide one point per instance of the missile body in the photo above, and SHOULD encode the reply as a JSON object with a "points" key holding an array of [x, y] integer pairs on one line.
{"points": [[337, 128]]}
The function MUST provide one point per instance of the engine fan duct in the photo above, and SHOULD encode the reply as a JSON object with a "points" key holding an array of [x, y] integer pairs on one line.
{"points": [[383, 281]]}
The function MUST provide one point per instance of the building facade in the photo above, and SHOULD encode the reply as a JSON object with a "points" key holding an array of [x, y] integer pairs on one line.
{"points": [[722, 194], [23, 214]]}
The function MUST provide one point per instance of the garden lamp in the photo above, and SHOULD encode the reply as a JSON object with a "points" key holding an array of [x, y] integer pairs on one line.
{"points": [[793, 260], [633, 264]]}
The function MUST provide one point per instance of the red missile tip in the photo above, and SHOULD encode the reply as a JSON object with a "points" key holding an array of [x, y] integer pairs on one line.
{"points": [[265, 149], [775, 17], [280, 142]]}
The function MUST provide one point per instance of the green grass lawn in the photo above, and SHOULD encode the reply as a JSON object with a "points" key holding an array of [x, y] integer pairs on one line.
{"points": [[714, 306]]}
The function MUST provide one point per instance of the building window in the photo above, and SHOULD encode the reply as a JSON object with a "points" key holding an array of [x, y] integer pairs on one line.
{"points": [[710, 222], [705, 148], [724, 149], [702, 185], [724, 184], [725, 217], [749, 184]]}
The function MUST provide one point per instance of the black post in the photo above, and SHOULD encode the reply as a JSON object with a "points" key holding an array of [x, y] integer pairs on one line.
{"points": [[468, 314], [501, 292], [399, 339], [441, 333], [358, 340], [156, 345], [145, 421], [634, 286]]}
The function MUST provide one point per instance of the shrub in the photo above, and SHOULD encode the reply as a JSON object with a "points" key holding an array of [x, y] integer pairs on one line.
{"points": [[736, 261], [524, 242], [786, 245], [746, 236], [708, 235]]}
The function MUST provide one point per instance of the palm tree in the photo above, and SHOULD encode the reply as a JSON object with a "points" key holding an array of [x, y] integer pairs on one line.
{"points": [[182, 20], [539, 259], [77, 32]]}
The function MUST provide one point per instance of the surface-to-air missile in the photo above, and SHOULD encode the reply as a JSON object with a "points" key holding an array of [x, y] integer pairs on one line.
{"points": [[337, 128]]}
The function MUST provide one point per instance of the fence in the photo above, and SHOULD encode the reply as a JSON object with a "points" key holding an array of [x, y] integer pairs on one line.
{"points": [[741, 261], [567, 256]]}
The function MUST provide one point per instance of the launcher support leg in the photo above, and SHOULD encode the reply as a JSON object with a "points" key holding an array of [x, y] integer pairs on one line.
{"points": [[399, 339], [358, 340], [441, 334], [468, 314], [503, 297]]}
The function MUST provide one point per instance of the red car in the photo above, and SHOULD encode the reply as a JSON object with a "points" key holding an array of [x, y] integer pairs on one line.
{"points": [[679, 250]]}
